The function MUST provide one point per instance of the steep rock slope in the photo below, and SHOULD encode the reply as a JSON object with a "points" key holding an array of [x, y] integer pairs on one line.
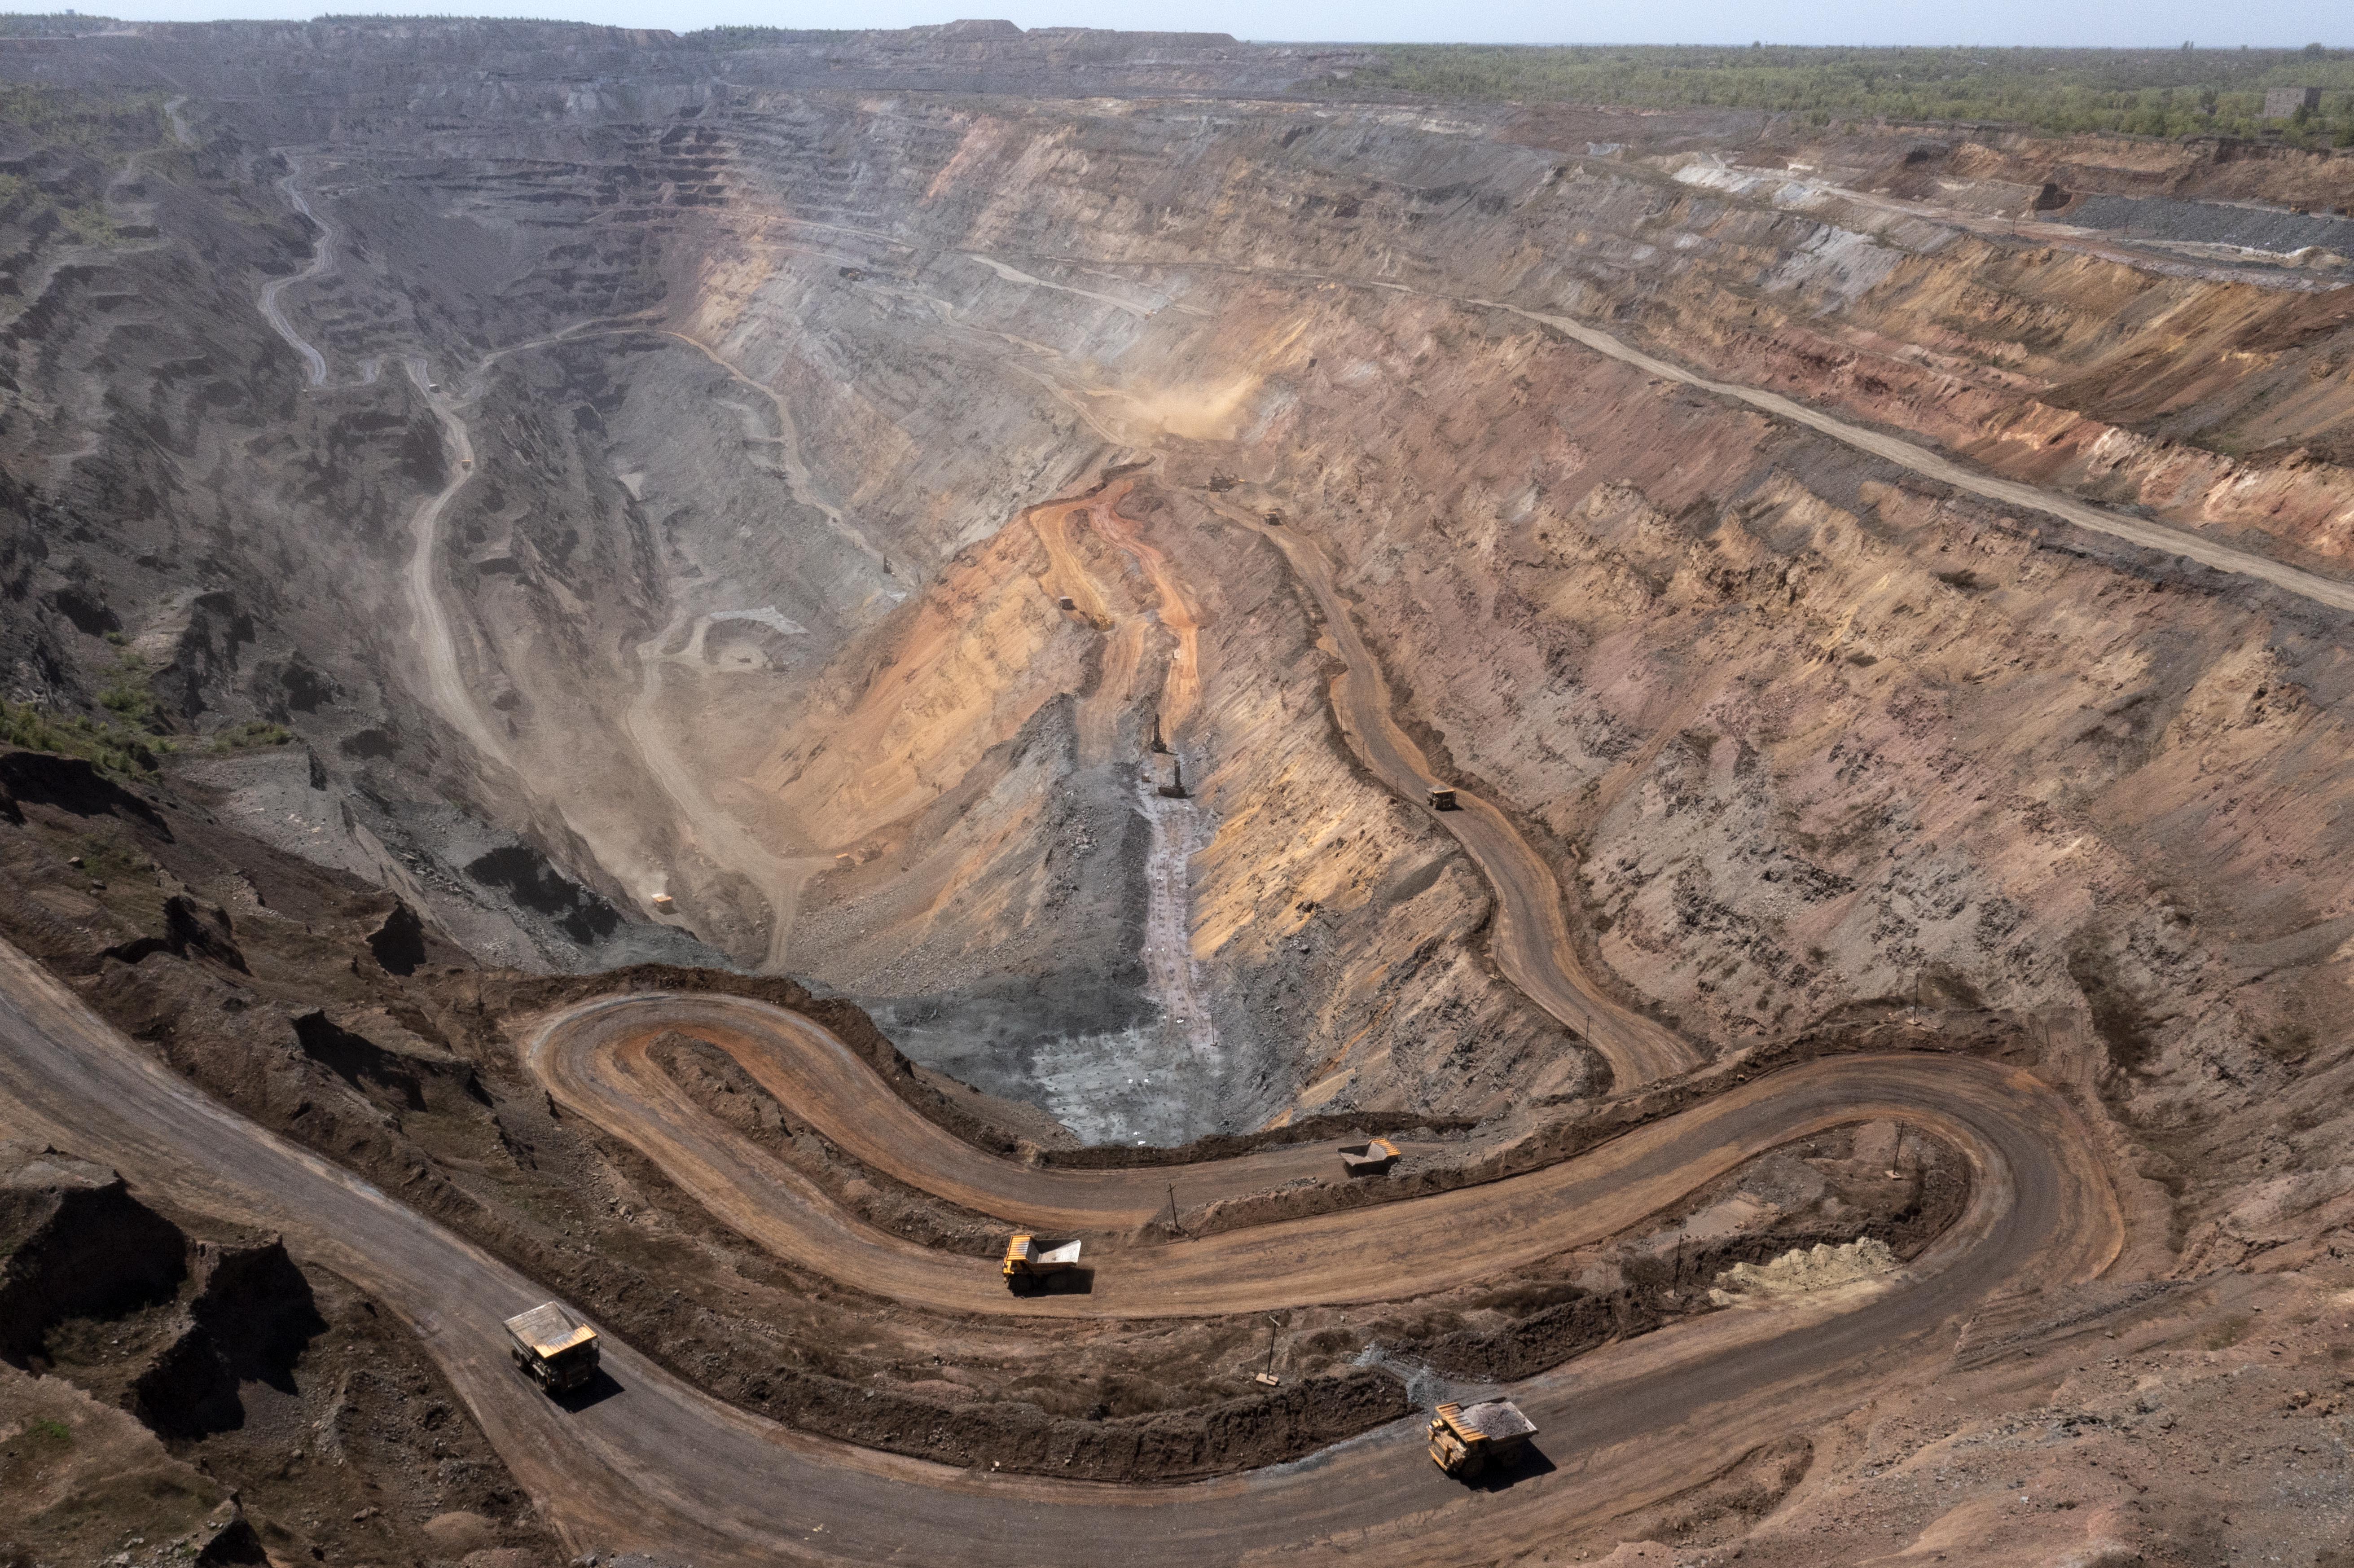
{"points": [[743, 402]]}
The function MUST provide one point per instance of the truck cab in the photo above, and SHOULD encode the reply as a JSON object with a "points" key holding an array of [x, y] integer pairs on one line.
{"points": [[1466, 1441], [556, 1349]]}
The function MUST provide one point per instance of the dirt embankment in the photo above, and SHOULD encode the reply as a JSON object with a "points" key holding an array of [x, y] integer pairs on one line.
{"points": [[1171, 1445], [334, 1439], [715, 1082], [1668, 1276], [712, 1079]]}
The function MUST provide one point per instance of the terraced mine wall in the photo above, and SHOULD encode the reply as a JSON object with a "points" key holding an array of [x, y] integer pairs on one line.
{"points": [[757, 380]]}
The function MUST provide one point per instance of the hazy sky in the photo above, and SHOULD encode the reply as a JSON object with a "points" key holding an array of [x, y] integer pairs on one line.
{"points": [[2082, 22]]}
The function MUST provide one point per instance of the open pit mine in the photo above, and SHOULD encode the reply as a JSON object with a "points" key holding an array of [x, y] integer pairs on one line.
{"points": [[966, 797]]}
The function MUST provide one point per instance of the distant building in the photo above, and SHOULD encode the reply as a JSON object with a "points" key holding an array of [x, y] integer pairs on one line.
{"points": [[2282, 103]]}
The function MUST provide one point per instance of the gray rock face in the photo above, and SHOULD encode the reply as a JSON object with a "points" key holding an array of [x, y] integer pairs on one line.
{"points": [[637, 506]]}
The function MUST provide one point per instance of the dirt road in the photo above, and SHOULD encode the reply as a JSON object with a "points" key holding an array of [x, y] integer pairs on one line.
{"points": [[723, 839], [1532, 942], [2168, 538], [593, 1060], [322, 262], [1181, 689], [1178, 830], [655, 1464], [1793, 191], [446, 687], [2174, 540], [790, 466]]}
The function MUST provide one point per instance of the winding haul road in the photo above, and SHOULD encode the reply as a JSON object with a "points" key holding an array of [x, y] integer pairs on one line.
{"points": [[660, 1466], [1531, 943], [322, 262]]}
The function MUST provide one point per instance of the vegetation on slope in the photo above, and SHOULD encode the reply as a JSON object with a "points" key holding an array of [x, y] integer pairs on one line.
{"points": [[2149, 93], [764, 38], [112, 749], [52, 24], [90, 121]]}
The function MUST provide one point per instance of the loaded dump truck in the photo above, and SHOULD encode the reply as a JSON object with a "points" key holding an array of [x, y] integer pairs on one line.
{"points": [[1372, 1159], [1029, 1261], [1466, 1441], [558, 1349]]}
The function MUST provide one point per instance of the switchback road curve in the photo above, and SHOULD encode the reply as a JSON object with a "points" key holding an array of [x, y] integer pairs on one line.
{"points": [[663, 1467]]}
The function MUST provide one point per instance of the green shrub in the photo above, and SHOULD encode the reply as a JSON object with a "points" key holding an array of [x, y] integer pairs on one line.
{"points": [[90, 225], [108, 747], [52, 24], [49, 1434], [253, 732], [95, 119], [127, 693]]}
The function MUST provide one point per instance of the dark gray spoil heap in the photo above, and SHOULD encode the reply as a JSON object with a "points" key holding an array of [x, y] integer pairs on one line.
{"points": [[2211, 223]]}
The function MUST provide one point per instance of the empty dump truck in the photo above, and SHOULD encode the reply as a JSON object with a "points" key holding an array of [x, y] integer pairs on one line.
{"points": [[557, 1349], [1029, 1260], [663, 902], [1442, 798], [1372, 1159], [1468, 1440]]}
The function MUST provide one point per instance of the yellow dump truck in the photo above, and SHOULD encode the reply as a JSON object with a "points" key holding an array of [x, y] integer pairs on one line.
{"points": [[558, 1349], [1029, 1261], [1466, 1441], [1370, 1159], [1442, 798]]}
